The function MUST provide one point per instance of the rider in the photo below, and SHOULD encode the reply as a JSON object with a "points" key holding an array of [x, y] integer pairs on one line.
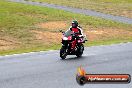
{"points": [[76, 28]]}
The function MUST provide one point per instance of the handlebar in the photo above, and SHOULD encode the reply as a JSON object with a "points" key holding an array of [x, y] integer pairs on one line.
{"points": [[61, 31]]}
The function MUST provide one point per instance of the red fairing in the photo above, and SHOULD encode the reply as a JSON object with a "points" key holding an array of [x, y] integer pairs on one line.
{"points": [[70, 37], [74, 44]]}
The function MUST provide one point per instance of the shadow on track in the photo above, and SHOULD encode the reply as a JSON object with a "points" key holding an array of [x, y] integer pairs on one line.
{"points": [[74, 58]]}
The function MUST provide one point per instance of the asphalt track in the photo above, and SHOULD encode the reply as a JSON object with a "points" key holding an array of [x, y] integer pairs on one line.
{"points": [[46, 70], [80, 11]]}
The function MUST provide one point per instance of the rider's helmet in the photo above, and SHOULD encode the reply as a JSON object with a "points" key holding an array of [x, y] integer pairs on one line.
{"points": [[74, 24]]}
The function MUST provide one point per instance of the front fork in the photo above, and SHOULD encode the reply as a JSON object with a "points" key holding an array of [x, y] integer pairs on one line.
{"points": [[65, 47], [68, 48]]}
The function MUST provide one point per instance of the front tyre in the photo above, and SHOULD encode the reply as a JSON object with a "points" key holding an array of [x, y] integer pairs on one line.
{"points": [[80, 50], [63, 53]]}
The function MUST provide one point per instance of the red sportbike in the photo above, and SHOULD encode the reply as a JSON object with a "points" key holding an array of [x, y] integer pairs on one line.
{"points": [[72, 44]]}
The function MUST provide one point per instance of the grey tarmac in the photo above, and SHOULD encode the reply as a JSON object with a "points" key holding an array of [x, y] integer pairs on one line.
{"points": [[45, 69]]}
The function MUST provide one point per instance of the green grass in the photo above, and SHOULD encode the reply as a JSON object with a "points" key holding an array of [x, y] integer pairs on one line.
{"points": [[115, 7], [17, 20], [56, 47]]}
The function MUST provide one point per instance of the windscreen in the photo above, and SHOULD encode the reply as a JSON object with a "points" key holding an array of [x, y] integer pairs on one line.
{"points": [[68, 33]]}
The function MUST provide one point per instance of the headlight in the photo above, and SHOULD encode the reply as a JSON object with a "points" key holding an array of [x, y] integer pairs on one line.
{"points": [[65, 38]]}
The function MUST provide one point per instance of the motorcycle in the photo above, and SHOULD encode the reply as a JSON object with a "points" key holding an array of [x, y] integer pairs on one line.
{"points": [[72, 44]]}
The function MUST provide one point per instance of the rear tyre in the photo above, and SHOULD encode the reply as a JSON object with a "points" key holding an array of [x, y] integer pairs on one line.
{"points": [[63, 53], [80, 50]]}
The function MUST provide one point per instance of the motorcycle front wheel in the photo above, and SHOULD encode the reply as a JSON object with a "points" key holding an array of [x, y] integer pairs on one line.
{"points": [[63, 53]]}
